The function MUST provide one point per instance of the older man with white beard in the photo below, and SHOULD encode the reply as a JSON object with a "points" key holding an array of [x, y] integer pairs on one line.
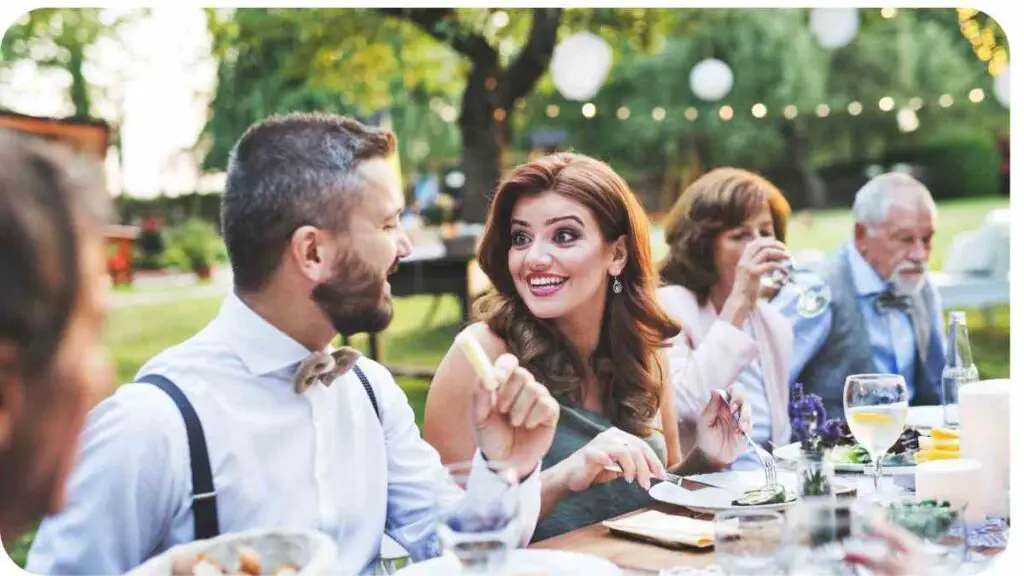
{"points": [[884, 316]]}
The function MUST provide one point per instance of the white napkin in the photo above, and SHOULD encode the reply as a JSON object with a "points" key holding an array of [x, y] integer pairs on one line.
{"points": [[667, 528]]}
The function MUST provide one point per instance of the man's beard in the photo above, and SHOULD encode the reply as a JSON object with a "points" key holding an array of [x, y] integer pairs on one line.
{"points": [[904, 286], [353, 299]]}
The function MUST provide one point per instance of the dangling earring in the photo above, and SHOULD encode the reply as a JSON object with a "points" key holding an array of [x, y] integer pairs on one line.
{"points": [[616, 285]]}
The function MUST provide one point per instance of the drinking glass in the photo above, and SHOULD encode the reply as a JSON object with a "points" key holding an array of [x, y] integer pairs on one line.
{"points": [[812, 299], [479, 523], [748, 542], [876, 410], [817, 528], [940, 526]]}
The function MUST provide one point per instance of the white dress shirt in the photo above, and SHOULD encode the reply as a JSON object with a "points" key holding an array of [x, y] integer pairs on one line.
{"points": [[319, 460]]}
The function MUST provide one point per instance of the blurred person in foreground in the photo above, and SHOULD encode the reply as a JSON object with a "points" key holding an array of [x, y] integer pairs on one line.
{"points": [[567, 248], [53, 367], [885, 315], [283, 430], [724, 233]]}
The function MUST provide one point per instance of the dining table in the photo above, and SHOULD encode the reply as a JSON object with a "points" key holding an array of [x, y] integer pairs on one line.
{"points": [[637, 557], [633, 556]]}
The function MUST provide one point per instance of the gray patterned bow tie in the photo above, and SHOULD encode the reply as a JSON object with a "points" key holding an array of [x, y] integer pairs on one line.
{"points": [[324, 367], [889, 300]]}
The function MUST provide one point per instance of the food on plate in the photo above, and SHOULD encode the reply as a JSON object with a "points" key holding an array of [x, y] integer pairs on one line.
{"points": [[846, 450], [764, 496], [942, 444], [928, 519], [248, 565]]}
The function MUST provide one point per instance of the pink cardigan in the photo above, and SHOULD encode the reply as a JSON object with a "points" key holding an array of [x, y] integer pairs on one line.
{"points": [[709, 354]]}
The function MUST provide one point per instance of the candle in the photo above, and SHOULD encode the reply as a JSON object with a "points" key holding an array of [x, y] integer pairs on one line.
{"points": [[985, 437], [953, 480]]}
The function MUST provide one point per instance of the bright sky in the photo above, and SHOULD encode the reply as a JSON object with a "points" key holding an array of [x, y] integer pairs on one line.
{"points": [[158, 78]]}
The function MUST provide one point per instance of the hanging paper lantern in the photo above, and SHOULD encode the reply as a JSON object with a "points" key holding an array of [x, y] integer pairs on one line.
{"points": [[1001, 86], [907, 120], [580, 64], [834, 27], [711, 80]]}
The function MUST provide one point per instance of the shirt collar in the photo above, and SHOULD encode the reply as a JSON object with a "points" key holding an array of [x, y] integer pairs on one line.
{"points": [[865, 279], [262, 347]]}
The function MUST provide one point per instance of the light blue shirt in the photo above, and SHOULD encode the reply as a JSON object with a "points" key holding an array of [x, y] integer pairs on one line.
{"points": [[890, 333], [751, 381], [320, 460]]}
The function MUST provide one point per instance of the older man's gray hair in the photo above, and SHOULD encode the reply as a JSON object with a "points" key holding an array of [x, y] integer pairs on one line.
{"points": [[881, 193], [289, 171]]}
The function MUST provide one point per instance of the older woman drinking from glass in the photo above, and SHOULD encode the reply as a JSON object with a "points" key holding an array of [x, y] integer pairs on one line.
{"points": [[725, 232]]}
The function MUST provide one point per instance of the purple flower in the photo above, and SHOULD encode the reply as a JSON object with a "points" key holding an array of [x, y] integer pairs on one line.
{"points": [[807, 417]]}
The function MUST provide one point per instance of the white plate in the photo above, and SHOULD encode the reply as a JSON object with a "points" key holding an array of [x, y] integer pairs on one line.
{"points": [[723, 488], [550, 562], [792, 452]]}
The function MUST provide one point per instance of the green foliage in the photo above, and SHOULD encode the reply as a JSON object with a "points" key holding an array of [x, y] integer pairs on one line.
{"points": [[60, 38], [961, 165], [192, 243]]}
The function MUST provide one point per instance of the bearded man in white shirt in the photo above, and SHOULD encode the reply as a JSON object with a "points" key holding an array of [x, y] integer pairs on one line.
{"points": [[311, 221]]}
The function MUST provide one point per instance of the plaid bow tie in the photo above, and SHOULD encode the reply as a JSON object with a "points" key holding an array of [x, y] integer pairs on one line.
{"points": [[889, 300], [324, 367]]}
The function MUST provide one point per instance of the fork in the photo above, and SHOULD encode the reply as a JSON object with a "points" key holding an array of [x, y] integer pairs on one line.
{"points": [[771, 473]]}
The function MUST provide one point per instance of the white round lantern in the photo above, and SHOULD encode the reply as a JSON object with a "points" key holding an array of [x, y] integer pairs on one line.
{"points": [[834, 27], [711, 80], [580, 64], [907, 120], [1001, 86]]}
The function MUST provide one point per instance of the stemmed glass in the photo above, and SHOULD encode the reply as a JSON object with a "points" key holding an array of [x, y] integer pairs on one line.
{"points": [[876, 408], [812, 298]]}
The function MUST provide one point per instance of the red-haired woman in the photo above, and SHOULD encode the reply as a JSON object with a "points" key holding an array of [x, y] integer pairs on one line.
{"points": [[567, 249]]}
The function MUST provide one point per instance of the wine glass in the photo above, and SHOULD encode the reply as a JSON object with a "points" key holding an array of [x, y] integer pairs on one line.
{"points": [[812, 299], [479, 523], [876, 411]]}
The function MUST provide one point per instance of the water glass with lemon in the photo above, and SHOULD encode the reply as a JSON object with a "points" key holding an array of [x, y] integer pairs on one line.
{"points": [[876, 408]]}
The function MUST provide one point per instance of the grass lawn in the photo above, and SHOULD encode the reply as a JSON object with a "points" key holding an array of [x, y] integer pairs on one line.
{"points": [[135, 334]]}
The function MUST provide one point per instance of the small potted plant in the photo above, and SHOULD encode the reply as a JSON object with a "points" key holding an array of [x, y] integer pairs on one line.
{"points": [[196, 239]]}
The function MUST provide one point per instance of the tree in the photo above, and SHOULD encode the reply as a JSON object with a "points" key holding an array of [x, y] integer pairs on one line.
{"points": [[60, 38], [364, 60]]}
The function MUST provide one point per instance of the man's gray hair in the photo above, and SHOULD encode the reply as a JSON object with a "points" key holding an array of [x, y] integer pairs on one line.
{"points": [[289, 171], [881, 193]]}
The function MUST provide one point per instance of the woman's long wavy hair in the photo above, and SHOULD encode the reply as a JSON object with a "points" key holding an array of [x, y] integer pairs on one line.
{"points": [[717, 201], [633, 325]]}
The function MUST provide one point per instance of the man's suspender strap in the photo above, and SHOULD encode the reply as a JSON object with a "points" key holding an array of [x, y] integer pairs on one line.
{"points": [[204, 498], [369, 391]]}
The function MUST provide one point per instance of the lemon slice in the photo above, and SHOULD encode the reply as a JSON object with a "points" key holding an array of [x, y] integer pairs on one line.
{"points": [[478, 359], [928, 443], [871, 418], [945, 433], [928, 455]]}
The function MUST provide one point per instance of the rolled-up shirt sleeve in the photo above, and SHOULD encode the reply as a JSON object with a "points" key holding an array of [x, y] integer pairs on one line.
{"points": [[122, 494]]}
